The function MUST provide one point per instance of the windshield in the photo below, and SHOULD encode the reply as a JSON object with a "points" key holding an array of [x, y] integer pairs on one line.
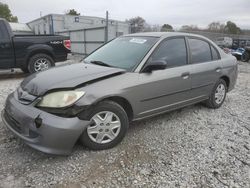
{"points": [[123, 52]]}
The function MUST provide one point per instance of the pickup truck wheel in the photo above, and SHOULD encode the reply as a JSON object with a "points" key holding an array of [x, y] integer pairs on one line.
{"points": [[109, 124], [218, 95], [40, 62]]}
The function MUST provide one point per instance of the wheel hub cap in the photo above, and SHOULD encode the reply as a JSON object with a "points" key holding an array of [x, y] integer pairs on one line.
{"points": [[220, 93], [41, 65], [104, 128]]}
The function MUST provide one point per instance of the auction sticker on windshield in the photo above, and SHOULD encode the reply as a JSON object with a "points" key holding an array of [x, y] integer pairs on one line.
{"points": [[137, 40]]}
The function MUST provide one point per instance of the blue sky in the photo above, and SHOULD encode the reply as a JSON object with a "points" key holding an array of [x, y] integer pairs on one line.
{"points": [[174, 12]]}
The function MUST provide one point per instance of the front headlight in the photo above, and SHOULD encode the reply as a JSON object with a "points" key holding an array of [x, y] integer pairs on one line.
{"points": [[60, 99]]}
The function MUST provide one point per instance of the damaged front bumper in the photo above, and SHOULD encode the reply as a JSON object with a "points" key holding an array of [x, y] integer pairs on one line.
{"points": [[41, 130]]}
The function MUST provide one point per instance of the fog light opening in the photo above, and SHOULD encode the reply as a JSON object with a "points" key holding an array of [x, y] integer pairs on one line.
{"points": [[38, 121]]}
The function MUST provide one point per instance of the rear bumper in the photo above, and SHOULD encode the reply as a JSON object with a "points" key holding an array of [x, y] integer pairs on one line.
{"points": [[233, 78], [56, 135], [61, 57]]}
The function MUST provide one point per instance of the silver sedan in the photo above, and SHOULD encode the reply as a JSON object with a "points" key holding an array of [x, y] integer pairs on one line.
{"points": [[130, 78]]}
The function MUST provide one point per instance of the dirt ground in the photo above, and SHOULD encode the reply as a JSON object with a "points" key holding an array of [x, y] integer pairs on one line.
{"points": [[190, 147]]}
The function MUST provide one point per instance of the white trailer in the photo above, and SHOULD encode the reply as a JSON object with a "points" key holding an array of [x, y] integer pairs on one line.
{"points": [[224, 42]]}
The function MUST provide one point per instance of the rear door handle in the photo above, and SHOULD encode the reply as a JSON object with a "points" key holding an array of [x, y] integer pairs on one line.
{"points": [[185, 75], [218, 69]]}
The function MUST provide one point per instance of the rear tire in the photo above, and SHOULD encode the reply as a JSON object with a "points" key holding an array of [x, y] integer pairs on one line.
{"points": [[245, 57], [217, 95], [106, 130], [40, 62]]}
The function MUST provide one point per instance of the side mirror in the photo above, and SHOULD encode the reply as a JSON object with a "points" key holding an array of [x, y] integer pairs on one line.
{"points": [[155, 65]]}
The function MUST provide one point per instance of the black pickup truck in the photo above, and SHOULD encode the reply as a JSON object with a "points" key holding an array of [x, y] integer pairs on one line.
{"points": [[31, 53]]}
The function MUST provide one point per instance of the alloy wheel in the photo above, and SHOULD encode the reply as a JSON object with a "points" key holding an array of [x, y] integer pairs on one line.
{"points": [[41, 65], [220, 93], [105, 127]]}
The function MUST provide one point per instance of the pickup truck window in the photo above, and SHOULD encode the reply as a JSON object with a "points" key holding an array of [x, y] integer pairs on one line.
{"points": [[3, 32]]}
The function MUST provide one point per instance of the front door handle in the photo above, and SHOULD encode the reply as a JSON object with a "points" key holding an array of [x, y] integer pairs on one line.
{"points": [[185, 75]]}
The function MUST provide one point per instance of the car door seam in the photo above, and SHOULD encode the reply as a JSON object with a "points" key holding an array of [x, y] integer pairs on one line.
{"points": [[160, 96], [200, 86], [173, 104]]}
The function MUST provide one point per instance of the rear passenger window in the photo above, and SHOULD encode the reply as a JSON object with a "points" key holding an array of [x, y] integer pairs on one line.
{"points": [[173, 51], [215, 53], [200, 51]]}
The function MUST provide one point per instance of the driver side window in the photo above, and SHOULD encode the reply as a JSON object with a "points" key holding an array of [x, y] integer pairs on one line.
{"points": [[173, 51]]}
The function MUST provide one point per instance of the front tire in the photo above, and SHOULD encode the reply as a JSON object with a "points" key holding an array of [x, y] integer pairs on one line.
{"points": [[40, 62], [109, 124], [217, 95]]}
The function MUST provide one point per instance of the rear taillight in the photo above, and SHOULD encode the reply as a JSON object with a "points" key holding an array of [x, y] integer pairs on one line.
{"points": [[67, 44]]}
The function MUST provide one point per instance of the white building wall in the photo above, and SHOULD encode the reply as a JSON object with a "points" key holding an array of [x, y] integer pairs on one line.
{"points": [[58, 23], [86, 33], [67, 22]]}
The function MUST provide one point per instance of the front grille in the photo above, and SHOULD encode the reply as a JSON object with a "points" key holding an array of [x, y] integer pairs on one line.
{"points": [[12, 122], [24, 97]]}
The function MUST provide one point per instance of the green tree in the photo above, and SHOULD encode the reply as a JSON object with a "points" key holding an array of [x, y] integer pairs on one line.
{"points": [[166, 27], [72, 12], [232, 28], [5, 12], [137, 24]]}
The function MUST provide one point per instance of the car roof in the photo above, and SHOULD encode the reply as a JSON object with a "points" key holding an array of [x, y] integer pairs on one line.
{"points": [[164, 34]]}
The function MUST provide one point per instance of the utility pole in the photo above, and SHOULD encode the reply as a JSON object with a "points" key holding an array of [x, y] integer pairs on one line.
{"points": [[106, 28]]}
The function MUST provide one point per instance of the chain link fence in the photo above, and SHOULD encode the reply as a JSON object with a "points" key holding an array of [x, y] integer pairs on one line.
{"points": [[238, 40], [84, 41]]}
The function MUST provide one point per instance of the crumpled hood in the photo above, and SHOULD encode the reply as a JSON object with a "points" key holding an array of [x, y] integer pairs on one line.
{"points": [[68, 76]]}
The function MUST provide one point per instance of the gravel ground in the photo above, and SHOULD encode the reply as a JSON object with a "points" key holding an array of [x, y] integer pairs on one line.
{"points": [[191, 147]]}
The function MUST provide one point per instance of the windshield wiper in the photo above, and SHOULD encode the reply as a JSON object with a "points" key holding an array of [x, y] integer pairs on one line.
{"points": [[100, 63], [82, 59]]}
